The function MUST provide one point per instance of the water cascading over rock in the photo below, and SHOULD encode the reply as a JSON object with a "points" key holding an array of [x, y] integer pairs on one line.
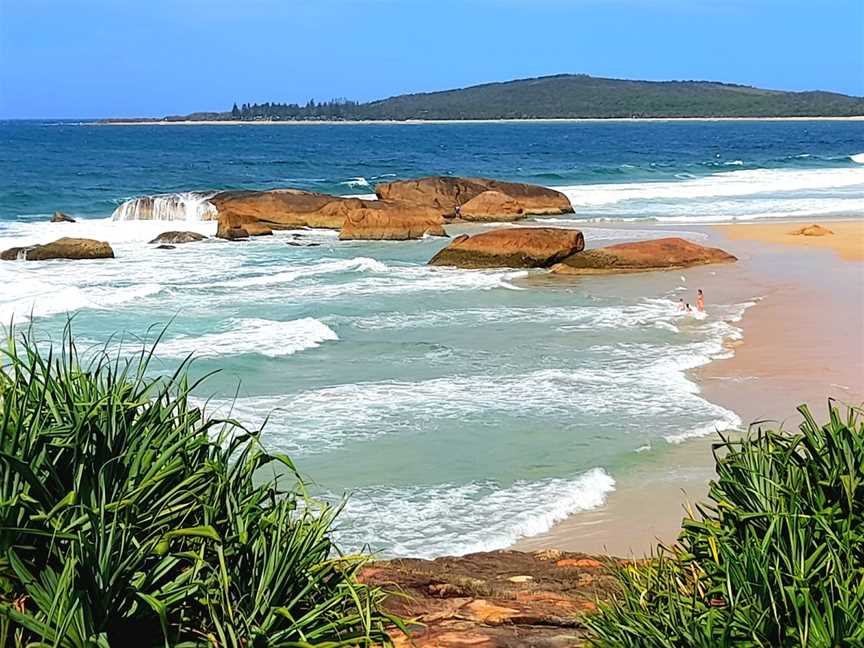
{"points": [[186, 206]]}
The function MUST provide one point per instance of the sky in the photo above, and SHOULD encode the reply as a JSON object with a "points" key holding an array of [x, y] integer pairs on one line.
{"points": [[125, 58]]}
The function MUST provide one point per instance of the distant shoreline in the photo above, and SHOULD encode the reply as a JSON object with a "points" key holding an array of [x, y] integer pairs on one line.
{"points": [[237, 122]]}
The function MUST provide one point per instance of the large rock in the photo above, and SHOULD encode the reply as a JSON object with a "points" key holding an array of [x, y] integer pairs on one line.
{"points": [[64, 248], [277, 209], [447, 193], [492, 206], [518, 247], [391, 223], [60, 217], [176, 238], [642, 256], [259, 212]]}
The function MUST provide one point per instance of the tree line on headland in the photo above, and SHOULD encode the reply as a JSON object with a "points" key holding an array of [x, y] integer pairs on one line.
{"points": [[565, 96]]}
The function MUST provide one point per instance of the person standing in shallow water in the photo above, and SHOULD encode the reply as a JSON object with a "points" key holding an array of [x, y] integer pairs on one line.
{"points": [[700, 301]]}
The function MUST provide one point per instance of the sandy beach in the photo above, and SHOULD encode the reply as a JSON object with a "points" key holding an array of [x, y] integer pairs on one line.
{"points": [[803, 342]]}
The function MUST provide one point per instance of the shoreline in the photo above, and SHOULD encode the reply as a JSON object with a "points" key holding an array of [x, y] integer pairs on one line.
{"points": [[394, 122], [790, 354]]}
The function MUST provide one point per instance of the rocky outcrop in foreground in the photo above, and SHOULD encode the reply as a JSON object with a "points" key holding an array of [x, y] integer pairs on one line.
{"points": [[519, 247], [503, 200], [64, 248], [176, 238], [501, 599], [642, 256]]}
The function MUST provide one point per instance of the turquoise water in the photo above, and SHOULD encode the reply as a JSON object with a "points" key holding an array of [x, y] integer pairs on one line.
{"points": [[460, 409]]}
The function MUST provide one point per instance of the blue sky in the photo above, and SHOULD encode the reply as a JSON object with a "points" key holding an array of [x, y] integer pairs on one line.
{"points": [[96, 58]]}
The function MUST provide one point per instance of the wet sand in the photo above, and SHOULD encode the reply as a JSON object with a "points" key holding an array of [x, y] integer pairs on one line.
{"points": [[803, 342]]}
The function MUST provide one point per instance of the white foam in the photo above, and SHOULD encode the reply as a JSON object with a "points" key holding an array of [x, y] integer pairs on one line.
{"points": [[727, 184], [729, 421], [37, 299], [647, 313], [428, 521], [182, 206], [319, 267], [858, 157], [264, 337], [359, 181]]}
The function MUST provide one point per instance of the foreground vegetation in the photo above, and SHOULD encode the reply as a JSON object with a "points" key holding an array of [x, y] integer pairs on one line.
{"points": [[127, 517], [776, 558], [562, 96]]}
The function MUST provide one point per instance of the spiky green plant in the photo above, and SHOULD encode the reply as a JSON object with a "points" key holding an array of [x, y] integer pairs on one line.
{"points": [[776, 558], [129, 517]]}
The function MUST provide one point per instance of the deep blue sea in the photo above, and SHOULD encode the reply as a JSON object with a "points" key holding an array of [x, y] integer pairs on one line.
{"points": [[460, 410]]}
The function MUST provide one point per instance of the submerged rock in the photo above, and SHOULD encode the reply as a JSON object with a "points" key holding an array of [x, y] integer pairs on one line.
{"points": [[64, 248], [234, 234], [177, 238], [812, 230], [165, 246], [447, 193], [60, 217], [642, 256], [522, 247]]}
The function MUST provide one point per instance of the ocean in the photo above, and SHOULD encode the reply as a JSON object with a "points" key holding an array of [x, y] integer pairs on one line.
{"points": [[458, 410]]}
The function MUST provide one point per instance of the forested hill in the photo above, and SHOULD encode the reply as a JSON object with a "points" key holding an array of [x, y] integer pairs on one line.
{"points": [[567, 96]]}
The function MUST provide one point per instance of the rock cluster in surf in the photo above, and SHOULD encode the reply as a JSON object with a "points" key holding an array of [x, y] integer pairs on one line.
{"points": [[403, 210], [563, 250]]}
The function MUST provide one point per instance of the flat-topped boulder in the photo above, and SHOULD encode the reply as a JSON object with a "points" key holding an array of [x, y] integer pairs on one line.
{"points": [[178, 237], [390, 223], [518, 247], [60, 217], [447, 193], [276, 209], [642, 256], [64, 248]]}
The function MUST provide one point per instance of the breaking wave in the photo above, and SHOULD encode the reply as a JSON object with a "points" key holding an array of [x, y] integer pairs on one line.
{"points": [[185, 206], [449, 519], [264, 337]]}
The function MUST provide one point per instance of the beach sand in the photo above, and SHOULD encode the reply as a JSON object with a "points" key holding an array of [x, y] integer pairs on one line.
{"points": [[803, 342], [847, 239]]}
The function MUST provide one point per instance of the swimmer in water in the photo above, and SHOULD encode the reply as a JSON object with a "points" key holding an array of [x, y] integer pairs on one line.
{"points": [[700, 301], [681, 305]]}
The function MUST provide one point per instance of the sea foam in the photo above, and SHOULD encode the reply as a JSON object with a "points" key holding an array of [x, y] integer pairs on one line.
{"points": [[260, 336], [448, 519]]}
